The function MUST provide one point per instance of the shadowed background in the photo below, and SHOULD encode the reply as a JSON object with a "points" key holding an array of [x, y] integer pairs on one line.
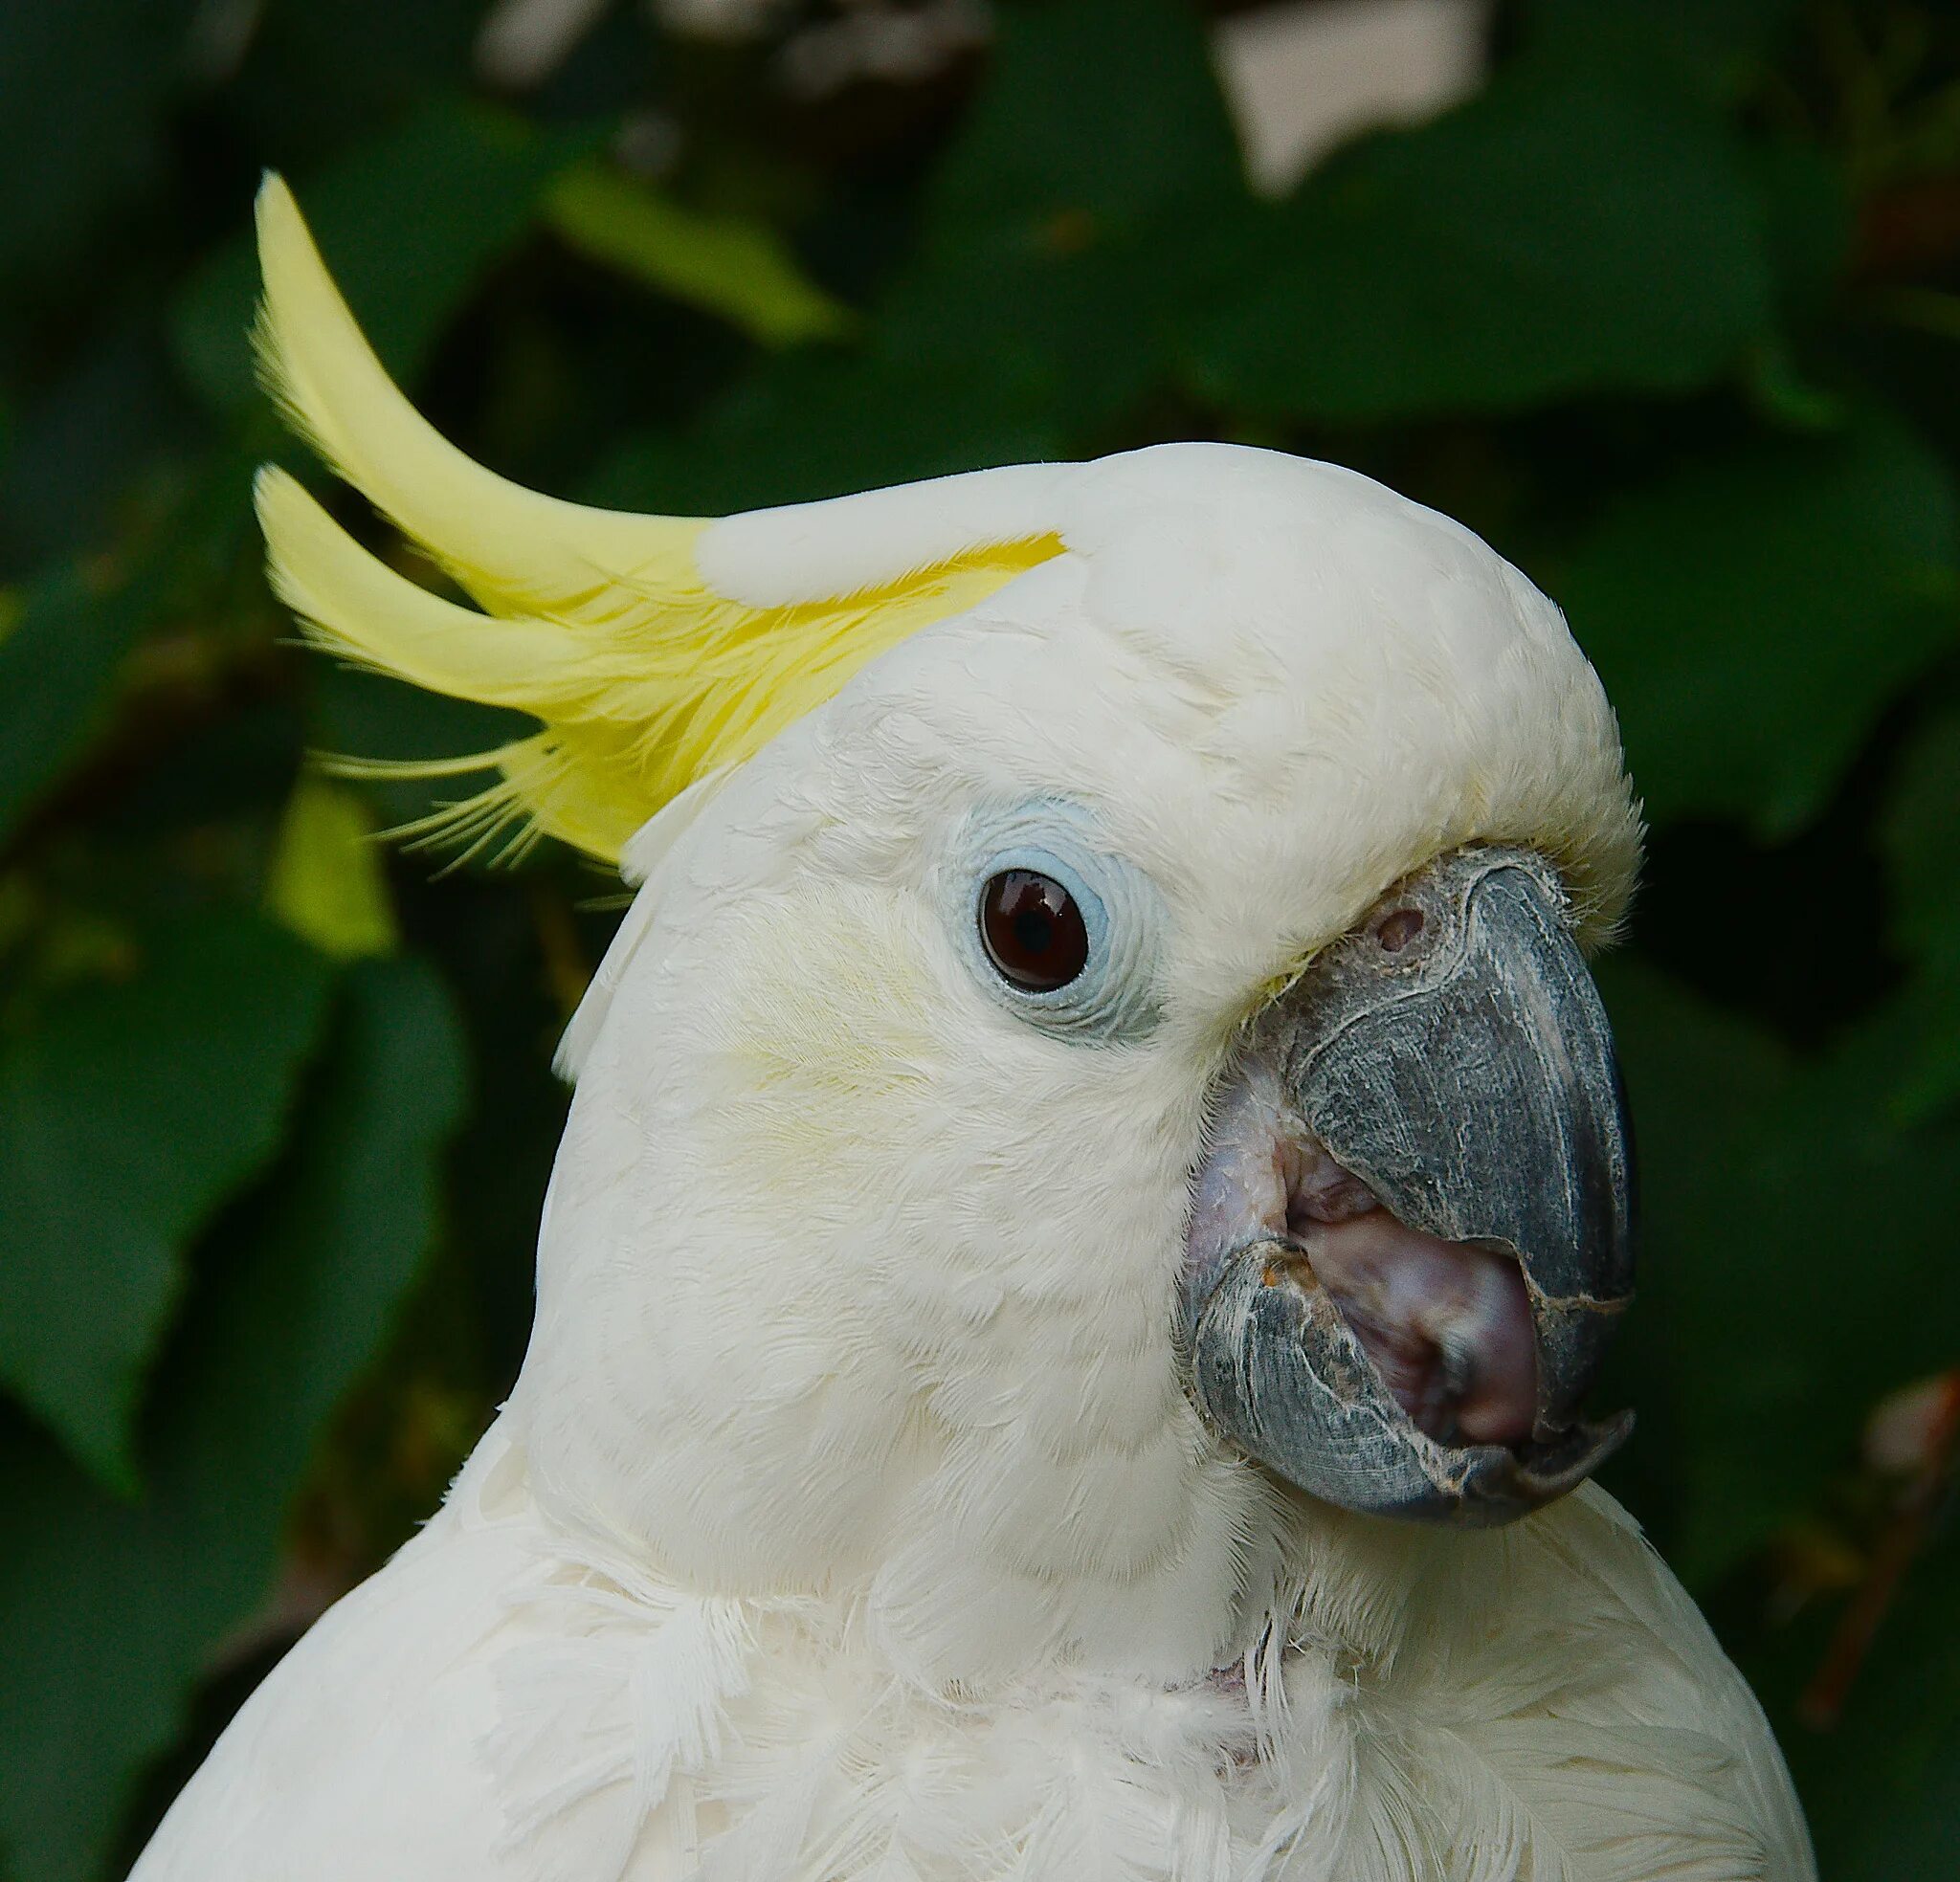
{"points": [[1662, 297]]}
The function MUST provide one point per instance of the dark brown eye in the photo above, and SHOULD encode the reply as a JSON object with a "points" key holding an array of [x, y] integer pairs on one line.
{"points": [[1034, 930]]}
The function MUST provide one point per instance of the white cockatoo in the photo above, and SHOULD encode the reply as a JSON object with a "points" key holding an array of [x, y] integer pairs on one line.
{"points": [[1095, 1117]]}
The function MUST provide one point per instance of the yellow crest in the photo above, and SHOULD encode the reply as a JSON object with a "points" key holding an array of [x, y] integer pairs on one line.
{"points": [[600, 623]]}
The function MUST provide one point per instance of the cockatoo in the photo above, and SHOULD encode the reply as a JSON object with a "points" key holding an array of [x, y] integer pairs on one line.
{"points": [[1095, 1189]]}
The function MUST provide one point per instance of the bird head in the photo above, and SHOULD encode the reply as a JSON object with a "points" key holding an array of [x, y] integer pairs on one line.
{"points": [[1100, 1066]]}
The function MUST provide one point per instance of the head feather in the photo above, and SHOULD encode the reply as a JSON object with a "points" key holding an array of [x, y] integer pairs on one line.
{"points": [[645, 675]]}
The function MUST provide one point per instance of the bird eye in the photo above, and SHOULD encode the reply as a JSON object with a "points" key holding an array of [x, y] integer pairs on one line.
{"points": [[1032, 930]]}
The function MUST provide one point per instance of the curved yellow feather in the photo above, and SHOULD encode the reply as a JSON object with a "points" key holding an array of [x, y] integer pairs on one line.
{"points": [[354, 605], [514, 549], [600, 623]]}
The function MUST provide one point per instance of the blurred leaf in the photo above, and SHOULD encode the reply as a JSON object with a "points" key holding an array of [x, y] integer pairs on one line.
{"points": [[408, 222], [328, 883], [58, 666], [809, 426], [1753, 612], [127, 1114], [61, 659], [80, 445], [1099, 144], [1882, 1786], [1562, 232], [1102, 114], [87, 83], [1921, 834], [1717, 45], [112, 1612], [314, 80], [1808, 221], [1093, 333], [1773, 1313], [1779, 392], [1097, 136], [728, 265]]}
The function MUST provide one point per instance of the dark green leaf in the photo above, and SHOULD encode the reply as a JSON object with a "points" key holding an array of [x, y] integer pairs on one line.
{"points": [[1561, 233], [127, 1114], [1714, 45], [86, 84], [1808, 215], [316, 78], [78, 446], [1101, 113], [1792, 1244], [111, 1612], [1922, 832], [59, 663], [1098, 147], [812, 427], [1752, 613], [407, 223], [58, 666], [1883, 1783]]}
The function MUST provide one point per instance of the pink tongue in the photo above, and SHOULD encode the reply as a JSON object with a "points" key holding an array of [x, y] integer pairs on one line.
{"points": [[1448, 1327]]}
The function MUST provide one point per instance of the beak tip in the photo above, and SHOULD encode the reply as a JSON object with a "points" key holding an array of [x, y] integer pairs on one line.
{"points": [[1490, 1487]]}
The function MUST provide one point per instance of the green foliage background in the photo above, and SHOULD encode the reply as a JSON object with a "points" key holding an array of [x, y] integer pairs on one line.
{"points": [[1670, 312]]}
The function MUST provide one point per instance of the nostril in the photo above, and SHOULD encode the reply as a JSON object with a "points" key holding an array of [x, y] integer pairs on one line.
{"points": [[1397, 928]]}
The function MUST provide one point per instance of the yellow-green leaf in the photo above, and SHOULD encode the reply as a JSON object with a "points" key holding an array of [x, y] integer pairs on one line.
{"points": [[327, 883], [726, 265]]}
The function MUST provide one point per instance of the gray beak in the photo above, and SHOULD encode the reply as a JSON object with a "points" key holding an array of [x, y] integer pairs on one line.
{"points": [[1407, 1317]]}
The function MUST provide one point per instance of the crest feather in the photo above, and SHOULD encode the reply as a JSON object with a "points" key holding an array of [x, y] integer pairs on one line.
{"points": [[601, 624]]}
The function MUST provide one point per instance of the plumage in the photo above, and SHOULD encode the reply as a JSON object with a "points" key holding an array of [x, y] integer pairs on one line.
{"points": [[851, 1517], [645, 673]]}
